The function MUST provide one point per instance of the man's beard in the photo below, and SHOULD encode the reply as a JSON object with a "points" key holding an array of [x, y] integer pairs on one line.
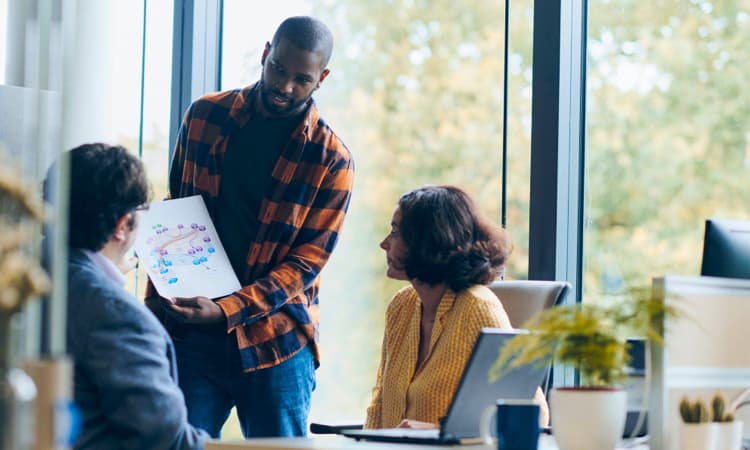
{"points": [[265, 97]]}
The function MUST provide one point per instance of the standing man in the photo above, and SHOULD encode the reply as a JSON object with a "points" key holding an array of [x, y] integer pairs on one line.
{"points": [[124, 362], [277, 183]]}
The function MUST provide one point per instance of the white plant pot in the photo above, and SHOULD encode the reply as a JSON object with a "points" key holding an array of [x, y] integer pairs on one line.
{"points": [[699, 436], [729, 435], [587, 418]]}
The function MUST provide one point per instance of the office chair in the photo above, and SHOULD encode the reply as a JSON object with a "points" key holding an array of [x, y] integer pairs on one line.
{"points": [[522, 299]]}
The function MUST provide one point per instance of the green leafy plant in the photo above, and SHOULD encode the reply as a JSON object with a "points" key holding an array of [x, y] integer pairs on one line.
{"points": [[590, 337]]}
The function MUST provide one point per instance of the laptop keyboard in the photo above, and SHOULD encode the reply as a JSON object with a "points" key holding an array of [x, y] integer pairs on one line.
{"points": [[408, 432]]}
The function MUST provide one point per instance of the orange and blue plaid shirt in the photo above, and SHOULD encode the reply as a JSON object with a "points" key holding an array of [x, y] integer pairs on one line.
{"points": [[275, 314]]}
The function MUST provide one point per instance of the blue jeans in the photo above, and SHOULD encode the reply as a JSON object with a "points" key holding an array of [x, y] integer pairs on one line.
{"points": [[270, 402]]}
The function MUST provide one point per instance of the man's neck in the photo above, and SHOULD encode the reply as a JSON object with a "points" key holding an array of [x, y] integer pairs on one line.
{"points": [[113, 252], [103, 259]]}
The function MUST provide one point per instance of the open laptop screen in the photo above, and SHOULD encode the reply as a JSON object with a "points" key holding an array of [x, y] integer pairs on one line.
{"points": [[475, 392]]}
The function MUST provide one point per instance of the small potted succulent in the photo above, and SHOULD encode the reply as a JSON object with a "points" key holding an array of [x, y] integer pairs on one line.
{"points": [[705, 428], [593, 338], [728, 429], [697, 431]]}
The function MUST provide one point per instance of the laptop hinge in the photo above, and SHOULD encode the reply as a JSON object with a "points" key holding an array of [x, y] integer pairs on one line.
{"points": [[471, 441], [441, 423]]}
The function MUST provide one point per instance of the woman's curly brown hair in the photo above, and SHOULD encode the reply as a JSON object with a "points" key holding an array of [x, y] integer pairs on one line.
{"points": [[449, 240]]}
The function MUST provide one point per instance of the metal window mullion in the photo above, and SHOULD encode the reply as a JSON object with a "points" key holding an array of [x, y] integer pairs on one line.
{"points": [[196, 54], [557, 147], [571, 145]]}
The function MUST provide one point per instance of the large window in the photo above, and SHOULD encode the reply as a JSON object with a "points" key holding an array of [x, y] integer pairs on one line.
{"points": [[668, 138], [138, 80], [4, 33], [415, 91], [133, 83]]}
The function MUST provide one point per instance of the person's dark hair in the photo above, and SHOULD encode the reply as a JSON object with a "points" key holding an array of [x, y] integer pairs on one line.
{"points": [[306, 33], [106, 182], [448, 240]]}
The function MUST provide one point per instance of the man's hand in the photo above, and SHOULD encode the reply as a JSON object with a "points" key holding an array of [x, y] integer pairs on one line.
{"points": [[195, 310]]}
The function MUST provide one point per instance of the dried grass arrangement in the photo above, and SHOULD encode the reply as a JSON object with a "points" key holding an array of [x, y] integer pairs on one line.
{"points": [[21, 213]]}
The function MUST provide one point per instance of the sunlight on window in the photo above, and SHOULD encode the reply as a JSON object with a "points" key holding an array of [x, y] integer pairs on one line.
{"points": [[246, 31], [666, 136], [4, 34], [136, 102]]}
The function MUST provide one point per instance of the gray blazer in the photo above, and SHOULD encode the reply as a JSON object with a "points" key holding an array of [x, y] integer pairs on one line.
{"points": [[125, 374]]}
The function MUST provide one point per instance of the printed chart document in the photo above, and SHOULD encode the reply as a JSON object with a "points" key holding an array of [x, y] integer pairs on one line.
{"points": [[178, 246]]}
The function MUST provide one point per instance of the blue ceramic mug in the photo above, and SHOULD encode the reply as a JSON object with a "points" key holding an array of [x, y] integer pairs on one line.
{"points": [[516, 424]]}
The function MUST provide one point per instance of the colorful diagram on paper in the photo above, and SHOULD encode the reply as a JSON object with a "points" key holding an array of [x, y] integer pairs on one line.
{"points": [[173, 248], [180, 249]]}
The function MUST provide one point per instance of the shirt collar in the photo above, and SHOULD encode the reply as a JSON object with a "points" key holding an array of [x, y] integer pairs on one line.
{"points": [[106, 266], [244, 108]]}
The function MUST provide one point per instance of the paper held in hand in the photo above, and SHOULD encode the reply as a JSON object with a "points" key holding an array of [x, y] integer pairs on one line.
{"points": [[180, 250]]}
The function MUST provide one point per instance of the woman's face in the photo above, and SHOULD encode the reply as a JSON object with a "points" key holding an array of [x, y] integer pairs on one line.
{"points": [[395, 249]]}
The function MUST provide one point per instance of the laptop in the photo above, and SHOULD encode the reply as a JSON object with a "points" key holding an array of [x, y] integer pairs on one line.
{"points": [[474, 394], [636, 420]]}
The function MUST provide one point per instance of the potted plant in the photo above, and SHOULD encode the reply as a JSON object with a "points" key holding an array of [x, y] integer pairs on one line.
{"points": [[704, 429], [593, 339], [696, 432], [728, 430]]}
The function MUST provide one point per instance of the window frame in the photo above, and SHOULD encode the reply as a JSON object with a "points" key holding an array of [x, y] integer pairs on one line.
{"points": [[196, 37], [558, 134]]}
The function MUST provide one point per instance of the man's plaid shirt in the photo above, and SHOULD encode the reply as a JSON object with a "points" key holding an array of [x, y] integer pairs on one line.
{"points": [[275, 314]]}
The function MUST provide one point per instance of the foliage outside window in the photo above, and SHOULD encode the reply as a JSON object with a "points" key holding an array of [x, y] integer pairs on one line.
{"points": [[668, 141]]}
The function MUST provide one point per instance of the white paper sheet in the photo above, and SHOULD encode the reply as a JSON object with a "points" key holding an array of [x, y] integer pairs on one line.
{"points": [[178, 246]]}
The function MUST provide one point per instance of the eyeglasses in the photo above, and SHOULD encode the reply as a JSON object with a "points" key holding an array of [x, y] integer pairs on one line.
{"points": [[143, 207]]}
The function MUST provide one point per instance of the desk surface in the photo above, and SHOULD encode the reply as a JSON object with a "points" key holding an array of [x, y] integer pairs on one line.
{"points": [[333, 442]]}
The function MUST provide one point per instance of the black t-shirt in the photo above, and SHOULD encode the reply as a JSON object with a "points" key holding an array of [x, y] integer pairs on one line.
{"points": [[251, 155]]}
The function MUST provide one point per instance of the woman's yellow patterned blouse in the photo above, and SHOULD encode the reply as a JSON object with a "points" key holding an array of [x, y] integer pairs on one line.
{"points": [[403, 391]]}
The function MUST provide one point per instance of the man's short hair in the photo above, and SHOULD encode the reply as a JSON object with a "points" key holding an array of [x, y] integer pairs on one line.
{"points": [[306, 33], [106, 182]]}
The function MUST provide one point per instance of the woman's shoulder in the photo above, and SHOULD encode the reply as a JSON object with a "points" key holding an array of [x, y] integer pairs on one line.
{"points": [[404, 298], [480, 294], [480, 302]]}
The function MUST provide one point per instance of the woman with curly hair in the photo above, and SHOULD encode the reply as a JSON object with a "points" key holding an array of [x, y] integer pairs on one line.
{"points": [[448, 252]]}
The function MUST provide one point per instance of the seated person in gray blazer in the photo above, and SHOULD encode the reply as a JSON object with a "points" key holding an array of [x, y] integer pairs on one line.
{"points": [[124, 364]]}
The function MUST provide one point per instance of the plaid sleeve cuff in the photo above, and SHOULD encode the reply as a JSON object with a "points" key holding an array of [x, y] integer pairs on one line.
{"points": [[230, 305]]}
